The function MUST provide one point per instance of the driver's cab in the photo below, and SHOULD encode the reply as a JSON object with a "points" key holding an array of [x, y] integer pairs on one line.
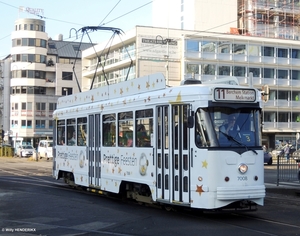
{"points": [[227, 127]]}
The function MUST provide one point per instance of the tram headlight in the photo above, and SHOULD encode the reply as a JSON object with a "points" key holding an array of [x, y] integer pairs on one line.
{"points": [[243, 168]]}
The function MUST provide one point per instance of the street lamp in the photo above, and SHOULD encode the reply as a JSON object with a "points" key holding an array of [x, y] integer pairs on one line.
{"points": [[66, 91], [166, 41]]}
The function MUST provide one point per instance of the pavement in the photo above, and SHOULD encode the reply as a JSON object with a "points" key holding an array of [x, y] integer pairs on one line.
{"points": [[286, 188]]}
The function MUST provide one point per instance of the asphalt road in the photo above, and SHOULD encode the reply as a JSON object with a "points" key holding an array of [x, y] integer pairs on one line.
{"points": [[33, 203]]}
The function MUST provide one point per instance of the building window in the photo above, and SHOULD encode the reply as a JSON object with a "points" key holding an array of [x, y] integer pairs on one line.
{"points": [[40, 109], [282, 74], [268, 51], [31, 42], [295, 74], [208, 46], [40, 124], [192, 68], [66, 91], [239, 71], [295, 53], [224, 70], [269, 117], [255, 72], [239, 49], [283, 95], [64, 60], [52, 107], [67, 76], [208, 69], [192, 46], [26, 124], [223, 47], [268, 73], [50, 124], [51, 45], [283, 116], [282, 52]]}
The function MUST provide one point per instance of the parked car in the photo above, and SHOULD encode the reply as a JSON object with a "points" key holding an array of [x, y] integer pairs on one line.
{"points": [[44, 149], [296, 155], [277, 152], [25, 151], [268, 158]]}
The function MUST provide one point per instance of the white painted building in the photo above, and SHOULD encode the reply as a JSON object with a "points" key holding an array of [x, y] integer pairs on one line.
{"points": [[210, 56], [42, 70]]}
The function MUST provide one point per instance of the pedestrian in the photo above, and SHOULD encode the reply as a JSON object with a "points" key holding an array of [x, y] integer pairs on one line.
{"points": [[287, 152]]}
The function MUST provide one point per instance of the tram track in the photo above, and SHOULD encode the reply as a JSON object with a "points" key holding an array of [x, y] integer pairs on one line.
{"points": [[239, 220]]}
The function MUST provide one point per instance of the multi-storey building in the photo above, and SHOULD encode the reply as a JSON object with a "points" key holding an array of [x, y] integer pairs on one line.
{"points": [[212, 39], [181, 54], [42, 70], [266, 18], [4, 96]]}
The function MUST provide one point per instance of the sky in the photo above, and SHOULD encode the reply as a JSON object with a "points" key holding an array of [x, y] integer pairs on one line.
{"points": [[61, 16]]}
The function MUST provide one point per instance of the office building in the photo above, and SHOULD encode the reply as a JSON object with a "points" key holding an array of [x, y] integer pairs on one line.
{"points": [[181, 54]]}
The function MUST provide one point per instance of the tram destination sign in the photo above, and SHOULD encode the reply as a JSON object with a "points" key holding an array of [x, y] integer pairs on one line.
{"points": [[237, 94]]}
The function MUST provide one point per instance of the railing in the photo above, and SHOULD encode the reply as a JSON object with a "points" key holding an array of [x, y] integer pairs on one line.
{"points": [[288, 170]]}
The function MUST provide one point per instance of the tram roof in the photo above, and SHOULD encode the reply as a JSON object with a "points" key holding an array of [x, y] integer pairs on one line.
{"points": [[142, 85]]}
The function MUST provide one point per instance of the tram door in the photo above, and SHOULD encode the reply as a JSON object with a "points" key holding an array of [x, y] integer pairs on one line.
{"points": [[173, 154], [94, 156]]}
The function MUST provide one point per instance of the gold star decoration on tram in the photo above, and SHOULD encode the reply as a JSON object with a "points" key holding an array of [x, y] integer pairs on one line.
{"points": [[204, 164], [147, 85], [199, 190], [121, 91]]}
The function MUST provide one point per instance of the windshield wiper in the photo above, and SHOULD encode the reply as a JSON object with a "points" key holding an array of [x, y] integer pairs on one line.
{"points": [[229, 137]]}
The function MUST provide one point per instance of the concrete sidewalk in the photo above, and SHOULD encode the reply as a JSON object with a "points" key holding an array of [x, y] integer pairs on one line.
{"points": [[286, 188]]}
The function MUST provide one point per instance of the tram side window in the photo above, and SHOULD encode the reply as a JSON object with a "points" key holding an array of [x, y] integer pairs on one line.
{"points": [[61, 139], [144, 127], [109, 130], [125, 129], [71, 132], [81, 131]]}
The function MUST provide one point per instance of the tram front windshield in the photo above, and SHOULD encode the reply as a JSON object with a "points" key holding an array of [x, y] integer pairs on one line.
{"points": [[227, 127]]}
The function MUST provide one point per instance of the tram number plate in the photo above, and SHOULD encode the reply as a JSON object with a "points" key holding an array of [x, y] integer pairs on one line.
{"points": [[237, 95]]}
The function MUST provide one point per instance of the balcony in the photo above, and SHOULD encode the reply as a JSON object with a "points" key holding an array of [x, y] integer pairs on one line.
{"points": [[281, 127]]}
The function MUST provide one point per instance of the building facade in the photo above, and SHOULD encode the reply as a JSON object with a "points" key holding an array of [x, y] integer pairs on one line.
{"points": [[182, 54], [263, 18], [42, 70]]}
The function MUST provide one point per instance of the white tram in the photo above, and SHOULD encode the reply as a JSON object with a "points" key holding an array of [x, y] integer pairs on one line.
{"points": [[163, 145]]}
